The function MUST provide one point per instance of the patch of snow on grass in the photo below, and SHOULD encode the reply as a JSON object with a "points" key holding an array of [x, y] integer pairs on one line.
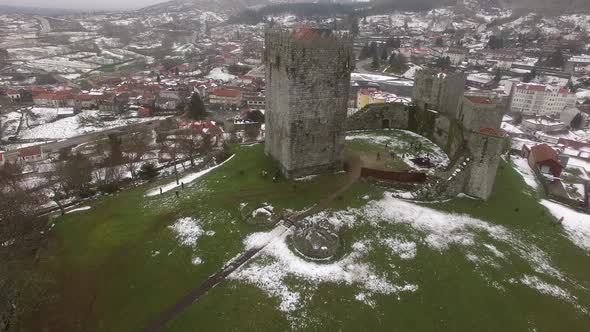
{"points": [[278, 262], [83, 208], [404, 249], [522, 167], [188, 231], [547, 289], [575, 224]]}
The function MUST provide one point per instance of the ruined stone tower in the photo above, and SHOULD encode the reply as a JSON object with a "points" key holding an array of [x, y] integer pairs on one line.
{"points": [[438, 91], [307, 86]]}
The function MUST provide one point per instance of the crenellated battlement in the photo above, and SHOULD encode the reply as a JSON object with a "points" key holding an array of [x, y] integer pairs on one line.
{"points": [[306, 37]]}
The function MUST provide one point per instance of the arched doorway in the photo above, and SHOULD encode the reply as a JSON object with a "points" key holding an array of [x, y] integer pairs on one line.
{"points": [[385, 124]]}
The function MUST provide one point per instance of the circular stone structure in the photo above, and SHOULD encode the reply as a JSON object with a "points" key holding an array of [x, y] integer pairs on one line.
{"points": [[316, 241]]}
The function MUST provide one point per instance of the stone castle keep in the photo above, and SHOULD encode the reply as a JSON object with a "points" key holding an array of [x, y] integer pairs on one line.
{"points": [[307, 86]]}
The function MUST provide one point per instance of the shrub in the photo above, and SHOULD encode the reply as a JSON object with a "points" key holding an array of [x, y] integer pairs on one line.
{"points": [[147, 171]]}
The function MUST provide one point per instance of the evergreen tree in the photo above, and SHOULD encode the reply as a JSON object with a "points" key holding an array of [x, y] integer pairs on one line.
{"points": [[495, 42], [384, 54], [255, 116], [365, 52], [148, 171], [375, 62], [373, 49], [556, 59], [439, 42], [577, 121], [571, 86], [354, 26], [498, 76], [197, 108]]}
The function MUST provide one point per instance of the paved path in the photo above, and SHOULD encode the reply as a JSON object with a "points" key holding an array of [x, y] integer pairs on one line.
{"points": [[284, 226]]}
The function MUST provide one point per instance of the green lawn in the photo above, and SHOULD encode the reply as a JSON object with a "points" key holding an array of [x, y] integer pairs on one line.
{"points": [[118, 265]]}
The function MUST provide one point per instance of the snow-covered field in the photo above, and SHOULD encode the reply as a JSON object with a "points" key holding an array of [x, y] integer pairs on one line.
{"points": [[71, 126]]}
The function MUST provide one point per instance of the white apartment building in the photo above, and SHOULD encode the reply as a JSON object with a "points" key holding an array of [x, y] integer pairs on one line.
{"points": [[535, 99]]}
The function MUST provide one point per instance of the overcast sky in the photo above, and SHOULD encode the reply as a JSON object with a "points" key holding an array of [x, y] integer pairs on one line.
{"points": [[82, 4]]}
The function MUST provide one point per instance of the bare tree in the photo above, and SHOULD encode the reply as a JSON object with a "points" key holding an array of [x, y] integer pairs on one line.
{"points": [[20, 240], [252, 131], [188, 143], [71, 177], [135, 146], [10, 175]]}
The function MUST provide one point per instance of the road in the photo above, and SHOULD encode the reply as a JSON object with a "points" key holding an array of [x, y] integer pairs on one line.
{"points": [[45, 26]]}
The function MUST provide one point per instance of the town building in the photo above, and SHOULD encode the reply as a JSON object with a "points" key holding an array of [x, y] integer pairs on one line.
{"points": [[535, 99], [227, 97], [543, 123], [12, 94], [544, 158], [456, 55]]}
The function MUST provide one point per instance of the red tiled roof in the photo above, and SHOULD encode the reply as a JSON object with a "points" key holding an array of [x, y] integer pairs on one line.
{"points": [[226, 93], [200, 126], [573, 144], [53, 96], [30, 151], [543, 152], [479, 100], [537, 87], [306, 33], [87, 97], [492, 131]]}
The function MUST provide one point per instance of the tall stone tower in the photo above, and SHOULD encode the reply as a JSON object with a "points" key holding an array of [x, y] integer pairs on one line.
{"points": [[438, 91], [307, 86]]}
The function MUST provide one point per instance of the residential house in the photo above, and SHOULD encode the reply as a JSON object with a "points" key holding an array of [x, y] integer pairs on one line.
{"points": [[30, 154], [544, 158], [255, 100], [12, 94], [224, 96], [456, 55], [53, 99], [86, 101], [481, 81]]}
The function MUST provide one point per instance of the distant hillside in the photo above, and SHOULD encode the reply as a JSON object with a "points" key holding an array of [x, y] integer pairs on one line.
{"points": [[227, 7], [547, 5]]}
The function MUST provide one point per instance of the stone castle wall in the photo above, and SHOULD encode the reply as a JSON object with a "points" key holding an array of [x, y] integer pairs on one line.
{"points": [[308, 80], [485, 151], [475, 153]]}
